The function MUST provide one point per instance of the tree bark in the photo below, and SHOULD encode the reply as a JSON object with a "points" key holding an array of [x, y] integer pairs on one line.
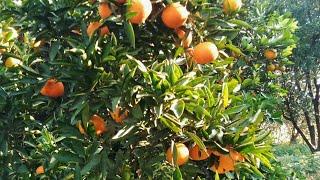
{"points": [[315, 102], [316, 109], [306, 114], [296, 126]]}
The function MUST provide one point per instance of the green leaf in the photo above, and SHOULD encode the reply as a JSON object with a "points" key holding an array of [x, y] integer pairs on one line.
{"points": [[65, 157], [169, 1], [236, 109], [170, 125], [77, 173], [177, 174], [197, 140], [257, 118], [210, 97], [261, 136], [123, 132], [141, 66], [234, 49], [240, 23], [79, 108], [94, 160], [216, 177], [13, 34], [103, 166], [256, 171], [233, 85], [130, 15], [85, 115], [177, 107], [54, 50], [178, 52], [30, 70], [130, 34], [225, 95]]}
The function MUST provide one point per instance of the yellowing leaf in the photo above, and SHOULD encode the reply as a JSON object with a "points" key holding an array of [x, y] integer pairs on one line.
{"points": [[225, 95]]}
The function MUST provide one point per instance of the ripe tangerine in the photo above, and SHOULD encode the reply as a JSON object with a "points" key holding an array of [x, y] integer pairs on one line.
{"points": [[226, 164], [271, 54], [93, 26], [52, 88], [174, 15], [142, 8], [182, 154], [40, 170], [104, 10], [230, 6], [104, 31], [198, 154], [205, 53]]}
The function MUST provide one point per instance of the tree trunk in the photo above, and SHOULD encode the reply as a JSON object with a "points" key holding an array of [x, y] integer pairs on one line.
{"points": [[315, 102], [296, 126], [306, 114], [316, 109]]}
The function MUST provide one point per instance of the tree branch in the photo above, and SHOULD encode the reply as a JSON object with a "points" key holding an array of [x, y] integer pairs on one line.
{"points": [[296, 126]]}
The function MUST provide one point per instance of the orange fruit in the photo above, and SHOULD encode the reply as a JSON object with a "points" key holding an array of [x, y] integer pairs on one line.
{"points": [[197, 154], [99, 124], [182, 154], [104, 31], [226, 164], [270, 54], [52, 88], [236, 156], [271, 67], [12, 62], [40, 170], [186, 42], [226, 161], [174, 15], [230, 6], [142, 8], [181, 33], [104, 10], [205, 53], [118, 117], [93, 26]]}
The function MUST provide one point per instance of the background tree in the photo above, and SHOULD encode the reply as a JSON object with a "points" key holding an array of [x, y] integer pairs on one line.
{"points": [[129, 99], [302, 79]]}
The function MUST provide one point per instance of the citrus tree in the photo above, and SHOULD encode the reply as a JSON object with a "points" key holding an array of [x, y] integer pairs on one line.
{"points": [[138, 89]]}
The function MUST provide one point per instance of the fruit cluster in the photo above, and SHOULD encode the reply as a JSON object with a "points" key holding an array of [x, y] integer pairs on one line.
{"points": [[226, 162]]}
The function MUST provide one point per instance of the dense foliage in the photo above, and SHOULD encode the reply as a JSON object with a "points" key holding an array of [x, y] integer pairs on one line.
{"points": [[143, 85], [296, 161]]}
